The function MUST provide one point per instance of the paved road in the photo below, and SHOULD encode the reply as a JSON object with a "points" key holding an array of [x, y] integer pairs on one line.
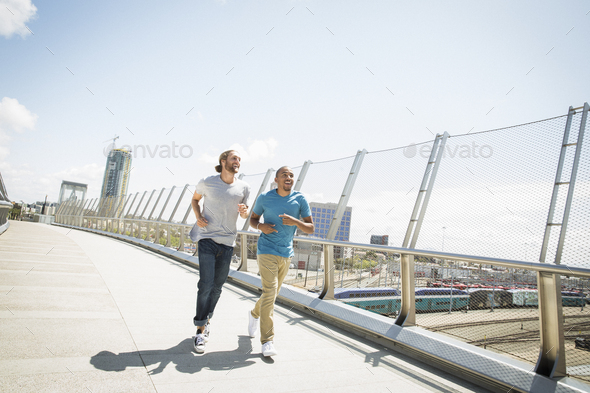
{"points": [[85, 313]]}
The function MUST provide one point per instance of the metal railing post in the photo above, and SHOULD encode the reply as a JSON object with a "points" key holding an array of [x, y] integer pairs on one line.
{"points": [[141, 217], [243, 253], [302, 175], [160, 218], [168, 238], [139, 204], [407, 314], [178, 203], [73, 205], [133, 224], [67, 212], [260, 190], [99, 211], [425, 190], [74, 213], [58, 213], [328, 289], [556, 185], [570, 191], [126, 215], [81, 212], [118, 211], [551, 361], [89, 210], [181, 241], [156, 239]]}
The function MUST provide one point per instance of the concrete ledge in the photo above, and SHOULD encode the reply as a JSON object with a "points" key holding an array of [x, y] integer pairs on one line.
{"points": [[490, 370]]}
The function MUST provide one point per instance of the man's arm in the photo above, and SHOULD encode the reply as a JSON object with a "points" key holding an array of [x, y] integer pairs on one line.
{"points": [[201, 221], [265, 228], [305, 224]]}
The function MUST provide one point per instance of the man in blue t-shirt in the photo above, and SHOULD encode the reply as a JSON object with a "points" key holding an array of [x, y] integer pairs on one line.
{"points": [[284, 211]]}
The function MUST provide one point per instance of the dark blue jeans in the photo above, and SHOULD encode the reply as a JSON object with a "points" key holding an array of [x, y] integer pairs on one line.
{"points": [[214, 261]]}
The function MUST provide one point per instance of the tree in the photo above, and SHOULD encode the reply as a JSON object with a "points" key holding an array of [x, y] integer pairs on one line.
{"points": [[371, 254], [15, 212]]}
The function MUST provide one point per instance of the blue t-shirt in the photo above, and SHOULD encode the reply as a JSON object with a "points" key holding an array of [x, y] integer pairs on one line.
{"points": [[270, 205]]}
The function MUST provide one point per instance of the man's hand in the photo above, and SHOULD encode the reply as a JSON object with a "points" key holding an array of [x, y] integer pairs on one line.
{"points": [[288, 220], [243, 210], [267, 228], [202, 222], [306, 225]]}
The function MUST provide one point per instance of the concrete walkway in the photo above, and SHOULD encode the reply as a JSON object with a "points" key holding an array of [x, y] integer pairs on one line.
{"points": [[85, 313]]}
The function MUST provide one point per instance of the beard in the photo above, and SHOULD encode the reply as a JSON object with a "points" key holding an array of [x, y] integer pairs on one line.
{"points": [[230, 168]]}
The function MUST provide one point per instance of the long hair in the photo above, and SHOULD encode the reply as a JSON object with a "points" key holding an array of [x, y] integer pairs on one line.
{"points": [[223, 156]]}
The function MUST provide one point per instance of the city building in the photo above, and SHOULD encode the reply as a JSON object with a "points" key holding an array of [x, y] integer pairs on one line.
{"points": [[71, 191], [115, 181], [322, 215], [382, 240]]}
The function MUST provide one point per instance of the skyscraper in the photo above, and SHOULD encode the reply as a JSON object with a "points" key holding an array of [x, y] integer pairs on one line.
{"points": [[116, 179], [322, 215]]}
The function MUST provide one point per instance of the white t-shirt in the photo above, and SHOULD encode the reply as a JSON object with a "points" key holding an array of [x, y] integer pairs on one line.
{"points": [[219, 206]]}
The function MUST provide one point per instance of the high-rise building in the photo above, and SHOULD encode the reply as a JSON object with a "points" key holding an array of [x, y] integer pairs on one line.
{"points": [[116, 179], [71, 191], [322, 215]]}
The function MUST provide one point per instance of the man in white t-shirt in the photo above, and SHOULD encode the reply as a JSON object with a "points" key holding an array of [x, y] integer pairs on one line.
{"points": [[217, 201]]}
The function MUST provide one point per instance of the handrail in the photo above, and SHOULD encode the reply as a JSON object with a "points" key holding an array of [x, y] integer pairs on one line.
{"points": [[563, 270], [4, 212]]}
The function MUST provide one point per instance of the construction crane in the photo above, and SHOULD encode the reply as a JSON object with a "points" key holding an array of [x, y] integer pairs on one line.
{"points": [[113, 139], [110, 147]]}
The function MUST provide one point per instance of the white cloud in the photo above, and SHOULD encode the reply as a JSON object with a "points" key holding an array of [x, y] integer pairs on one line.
{"points": [[13, 16], [256, 151], [13, 117], [209, 158], [24, 183]]}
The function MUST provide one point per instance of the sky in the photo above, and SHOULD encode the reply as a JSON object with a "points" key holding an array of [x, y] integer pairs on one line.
{"points": [[281, 81]]}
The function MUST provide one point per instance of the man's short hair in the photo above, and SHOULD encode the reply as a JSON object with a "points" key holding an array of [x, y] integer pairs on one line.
{"points": [[223, 156], [281, 168]]}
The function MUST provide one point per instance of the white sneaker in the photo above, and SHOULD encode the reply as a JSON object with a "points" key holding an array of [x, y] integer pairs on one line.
{"points": [[207, 331], [268, 349], [252, 325], [199, 343]]}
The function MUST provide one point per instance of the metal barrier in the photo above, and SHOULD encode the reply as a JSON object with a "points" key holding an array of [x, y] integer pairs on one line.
{"points": [[5, 207], [4, 211], [500, 208]]}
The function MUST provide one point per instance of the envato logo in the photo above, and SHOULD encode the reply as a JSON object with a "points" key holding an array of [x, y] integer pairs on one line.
{"points": [[162, 151], [461, 151]]}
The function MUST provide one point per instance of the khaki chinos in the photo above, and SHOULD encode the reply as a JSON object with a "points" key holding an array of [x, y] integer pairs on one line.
{"points": [[273, 270]]}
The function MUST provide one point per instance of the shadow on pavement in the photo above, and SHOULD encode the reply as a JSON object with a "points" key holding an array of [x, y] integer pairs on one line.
{"points": [[181, 355]]}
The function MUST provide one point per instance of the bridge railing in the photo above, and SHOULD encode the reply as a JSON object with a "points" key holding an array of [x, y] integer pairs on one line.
{"points": [[5, 207], [488, 231]]}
